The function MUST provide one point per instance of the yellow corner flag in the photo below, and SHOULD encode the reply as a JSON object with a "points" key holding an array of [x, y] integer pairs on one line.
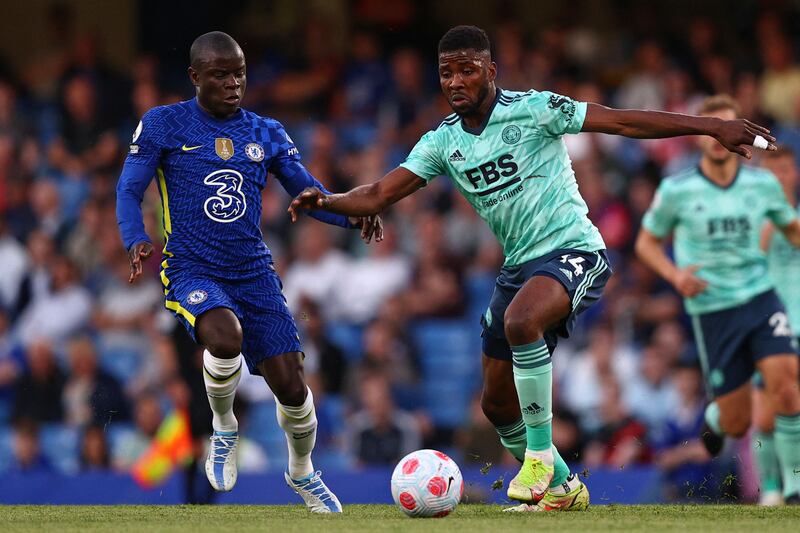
{"points": [[171, 446]]}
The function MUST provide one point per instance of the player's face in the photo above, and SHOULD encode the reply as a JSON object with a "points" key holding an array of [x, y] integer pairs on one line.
{"points": [[466, 77], [709, 146], [220, 82]]}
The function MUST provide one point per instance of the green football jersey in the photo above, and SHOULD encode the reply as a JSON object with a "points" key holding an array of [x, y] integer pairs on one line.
{"points": [[784, 269], [719, 229], [515, 172]]}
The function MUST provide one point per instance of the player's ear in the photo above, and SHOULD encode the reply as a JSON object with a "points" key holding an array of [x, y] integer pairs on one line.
{"points": [[492, 71], [194, 77]]}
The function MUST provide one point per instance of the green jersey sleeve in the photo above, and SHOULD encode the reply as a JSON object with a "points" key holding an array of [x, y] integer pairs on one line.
{"points": [[555, 115], [779, 211], [424, 159], [661, 218]]}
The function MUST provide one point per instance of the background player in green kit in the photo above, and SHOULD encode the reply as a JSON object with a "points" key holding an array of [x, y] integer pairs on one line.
{"points": [[783, 261], [504, 152], [716, 212]]}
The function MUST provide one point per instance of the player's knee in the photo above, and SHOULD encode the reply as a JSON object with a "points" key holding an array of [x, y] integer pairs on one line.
{"points": [[520, 329], [784, 395], [222, 336], [292, 393], [497, 411]]}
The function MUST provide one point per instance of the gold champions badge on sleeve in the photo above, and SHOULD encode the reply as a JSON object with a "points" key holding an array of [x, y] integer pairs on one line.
{"points": [[224, 148]]}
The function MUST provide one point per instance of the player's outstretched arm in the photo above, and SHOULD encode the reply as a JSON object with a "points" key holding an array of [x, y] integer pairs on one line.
{"points": [[792, 232], [362, 201], [735, 135], [130, 190], [650, 250]]}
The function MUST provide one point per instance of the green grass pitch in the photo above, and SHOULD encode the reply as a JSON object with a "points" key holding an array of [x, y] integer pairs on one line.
{"points": [[468, 517]]}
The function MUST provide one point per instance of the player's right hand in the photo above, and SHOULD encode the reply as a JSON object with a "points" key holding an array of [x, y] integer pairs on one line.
{"points": [[138, 252], [687, 284], [311, 198]]}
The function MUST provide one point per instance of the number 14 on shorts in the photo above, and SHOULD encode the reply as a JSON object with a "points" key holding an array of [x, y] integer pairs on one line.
{"points": [[576, 265]]}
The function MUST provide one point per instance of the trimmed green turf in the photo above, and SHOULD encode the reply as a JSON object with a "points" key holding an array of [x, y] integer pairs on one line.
{"points": [[467, 517]]}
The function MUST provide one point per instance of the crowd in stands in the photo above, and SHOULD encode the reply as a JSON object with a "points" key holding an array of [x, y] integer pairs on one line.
{"points": [[90, 365]]}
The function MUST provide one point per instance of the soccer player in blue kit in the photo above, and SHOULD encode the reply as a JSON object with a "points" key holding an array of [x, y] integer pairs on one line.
{"points": [[211, 158]]}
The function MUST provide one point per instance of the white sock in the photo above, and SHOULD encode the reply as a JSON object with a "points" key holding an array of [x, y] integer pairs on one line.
{"points": [[569, 485], [300, 425], [221, 377], [546, 456]]}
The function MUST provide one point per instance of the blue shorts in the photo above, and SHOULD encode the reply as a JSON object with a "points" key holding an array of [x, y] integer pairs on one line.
{"points": [[268, 328], [583, 275], [731, 341]]}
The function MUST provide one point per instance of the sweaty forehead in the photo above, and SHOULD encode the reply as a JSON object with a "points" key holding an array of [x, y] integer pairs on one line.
{"points": [[467, 56]]}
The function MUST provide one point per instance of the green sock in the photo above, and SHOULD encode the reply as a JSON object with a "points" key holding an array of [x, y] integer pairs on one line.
{"points": [[561, 469], [533, 376], [769, 470], [787, 448], [513, 437], [712, 418]]}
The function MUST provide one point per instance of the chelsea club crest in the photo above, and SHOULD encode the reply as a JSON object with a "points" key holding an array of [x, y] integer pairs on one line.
{"points": [[196, 297], [254, 151]]}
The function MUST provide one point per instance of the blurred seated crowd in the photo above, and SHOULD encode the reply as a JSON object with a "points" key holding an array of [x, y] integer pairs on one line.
{"points": [[90, 365]]}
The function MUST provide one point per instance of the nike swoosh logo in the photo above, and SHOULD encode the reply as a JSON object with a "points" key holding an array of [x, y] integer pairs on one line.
{"points": [[190, 148]]}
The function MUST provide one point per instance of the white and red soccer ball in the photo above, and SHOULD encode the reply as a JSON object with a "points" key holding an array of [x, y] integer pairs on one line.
{"points": [[427, 483]]}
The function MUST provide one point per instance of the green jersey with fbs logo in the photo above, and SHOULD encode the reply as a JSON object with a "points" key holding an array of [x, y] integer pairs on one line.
{"points": [[784, 269], [719, 229], [515, 172]]}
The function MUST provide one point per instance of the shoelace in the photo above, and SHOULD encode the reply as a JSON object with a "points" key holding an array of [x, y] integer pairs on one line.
{"points": [[325, 496], [535, 472], [220, 442]]}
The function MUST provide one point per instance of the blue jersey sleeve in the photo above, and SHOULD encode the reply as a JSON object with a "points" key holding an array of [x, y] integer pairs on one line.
{"points": [[144, 155], [294, 177]]}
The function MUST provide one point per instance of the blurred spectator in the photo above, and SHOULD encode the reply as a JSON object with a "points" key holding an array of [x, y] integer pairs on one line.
{"points": [[380, 434], [36, 283], [680, 453], [386, 353], [436, 289], [91, 397], [651, 397], [28, 457], [621, 440], [369, 281], [15, 267], [317, 268], [64, 310], [86, 141], [38, 393], [581, 377], [780, 81], [325, 365], [94, 456], [133, 443], [477, 439]]}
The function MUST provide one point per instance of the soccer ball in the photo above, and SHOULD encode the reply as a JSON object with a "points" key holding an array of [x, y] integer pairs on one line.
{"points": [[427, 483]]}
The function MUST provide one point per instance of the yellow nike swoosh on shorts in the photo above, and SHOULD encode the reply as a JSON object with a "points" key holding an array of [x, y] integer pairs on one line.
{"points": [[190, 148]]}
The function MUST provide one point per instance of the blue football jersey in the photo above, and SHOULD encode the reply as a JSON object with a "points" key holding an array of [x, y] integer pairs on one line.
{"points": [[210, 176]]}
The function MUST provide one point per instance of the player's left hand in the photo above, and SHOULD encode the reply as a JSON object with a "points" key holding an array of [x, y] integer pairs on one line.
{"points": [[371, 226], [738, 136]]}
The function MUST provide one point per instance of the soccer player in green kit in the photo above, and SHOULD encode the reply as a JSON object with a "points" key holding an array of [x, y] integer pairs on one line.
{"points": [[716, 212], [504, 152], [783, 261]]}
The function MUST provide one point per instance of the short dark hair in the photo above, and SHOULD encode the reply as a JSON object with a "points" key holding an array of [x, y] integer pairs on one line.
{"points": [[464, 38], [213, 42]]}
